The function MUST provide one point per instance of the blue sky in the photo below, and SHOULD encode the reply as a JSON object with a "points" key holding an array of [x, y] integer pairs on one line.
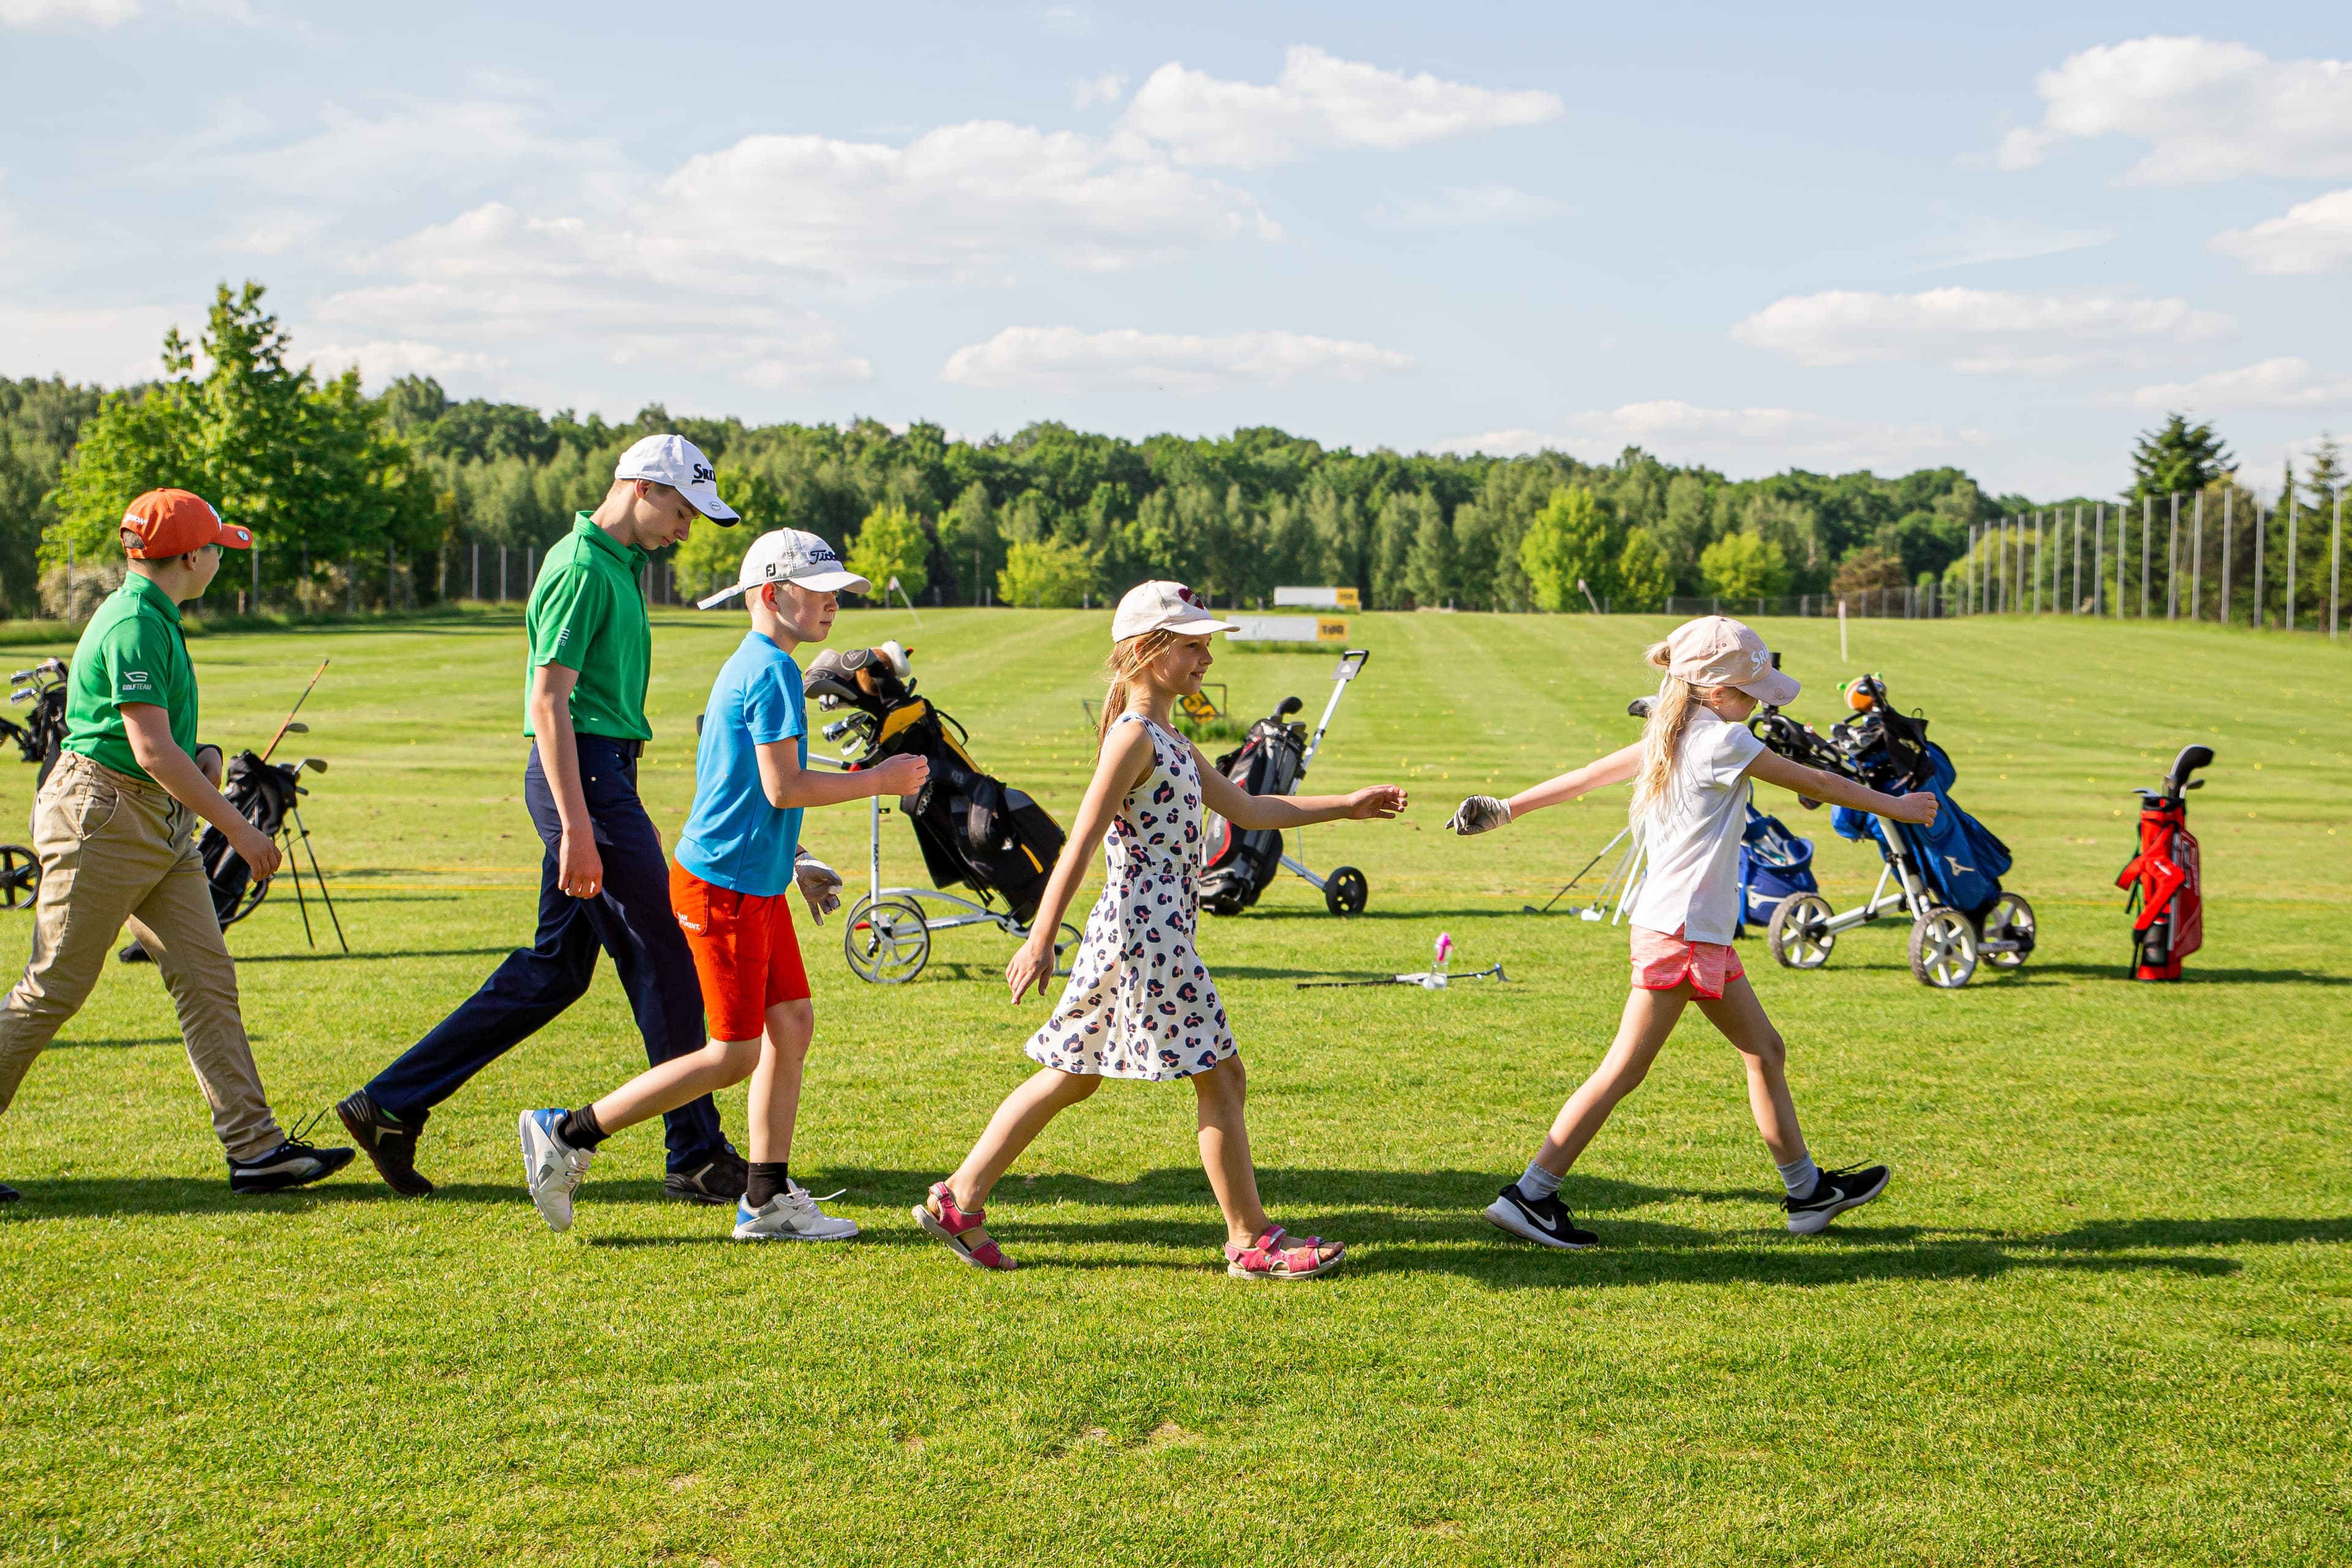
{"points": [[2004, 237]]}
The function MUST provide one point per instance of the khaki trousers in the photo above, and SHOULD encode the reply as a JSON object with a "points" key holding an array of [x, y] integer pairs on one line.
{"points": [[117, 850]]}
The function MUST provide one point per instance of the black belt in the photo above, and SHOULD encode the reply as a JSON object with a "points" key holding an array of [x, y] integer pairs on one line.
{"points": [[630, 750]]}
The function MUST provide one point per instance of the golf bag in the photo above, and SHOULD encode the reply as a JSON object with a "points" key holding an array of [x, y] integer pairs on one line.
{"points": [[2165, 879], [42, 734], [1237, 863], [1958, 858], [263, 793], [1773, 864], [974, 828]]}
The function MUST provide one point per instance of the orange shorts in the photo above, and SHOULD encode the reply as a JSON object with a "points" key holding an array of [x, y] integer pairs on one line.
{"points": [[1661, 962], [744, 952]]}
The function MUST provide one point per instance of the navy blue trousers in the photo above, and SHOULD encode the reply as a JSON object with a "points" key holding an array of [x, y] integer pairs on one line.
{"points": [[630, 919]]}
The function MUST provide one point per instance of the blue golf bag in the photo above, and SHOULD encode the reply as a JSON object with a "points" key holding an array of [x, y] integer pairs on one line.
{"points": [[1773, 864], [1958, 858]]}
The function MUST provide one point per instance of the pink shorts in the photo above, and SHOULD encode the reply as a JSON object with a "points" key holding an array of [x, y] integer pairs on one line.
{"points": [[1661, 962]]}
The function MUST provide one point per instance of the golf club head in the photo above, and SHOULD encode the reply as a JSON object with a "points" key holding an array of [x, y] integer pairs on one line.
{"points": [[2190, 758], [316, 765], [296, 727], [1289, 706]]}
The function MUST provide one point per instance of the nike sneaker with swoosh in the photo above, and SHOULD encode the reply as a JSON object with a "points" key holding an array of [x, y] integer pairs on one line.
{"points": [[1836, 1191], [1544, 1221]]}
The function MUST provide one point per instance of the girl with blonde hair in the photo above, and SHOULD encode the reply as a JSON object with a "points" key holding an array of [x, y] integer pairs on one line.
{"points": [[1690, 773], [1140, 1004]]}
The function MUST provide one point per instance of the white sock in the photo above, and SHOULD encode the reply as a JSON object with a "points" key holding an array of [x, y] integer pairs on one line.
{"points": [[1538, 1183], [1800, 1176]]}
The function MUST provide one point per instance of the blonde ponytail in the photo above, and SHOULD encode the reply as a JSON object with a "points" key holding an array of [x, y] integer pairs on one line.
{"points": [[1128, 661], [1662, 736]]}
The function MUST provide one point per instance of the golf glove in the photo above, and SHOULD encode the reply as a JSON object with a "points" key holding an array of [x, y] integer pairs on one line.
{"points": [[1479, 814], [819, 883]]}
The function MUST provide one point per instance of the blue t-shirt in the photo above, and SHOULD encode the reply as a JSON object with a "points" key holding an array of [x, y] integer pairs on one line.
{"points": [[734, 837]]}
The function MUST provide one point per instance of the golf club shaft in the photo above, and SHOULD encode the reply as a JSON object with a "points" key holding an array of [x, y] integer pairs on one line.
{"points": [[293, 711]]}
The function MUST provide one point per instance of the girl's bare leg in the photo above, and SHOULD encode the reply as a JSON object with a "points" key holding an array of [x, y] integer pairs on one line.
{"points": [[1047, 1093], [1741, 1018], [720, 1064], [1649, 1017], [1221, 1092], [775, 1102]]}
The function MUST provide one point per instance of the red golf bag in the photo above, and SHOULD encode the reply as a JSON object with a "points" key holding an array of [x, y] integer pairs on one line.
{"points": [[2166, 882]]}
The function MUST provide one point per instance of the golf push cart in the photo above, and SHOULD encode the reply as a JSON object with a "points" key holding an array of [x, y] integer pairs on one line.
{"points": [[39, 738], [974, 830], [1237, 863], [1945, 877]]}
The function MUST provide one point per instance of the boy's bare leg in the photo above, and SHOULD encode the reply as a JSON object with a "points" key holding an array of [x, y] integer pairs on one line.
{"points": [[1045, 1094], [1221, 1092], [775, 1103], [1649, 1017], [1741, 1018], [720, 1064]]}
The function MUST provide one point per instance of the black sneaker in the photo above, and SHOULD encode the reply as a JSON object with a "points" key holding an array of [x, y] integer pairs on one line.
{"points": [[293, 1163], [1544, 1221], [720, 1181], [391, 1145], [8, 1195], [1836, 1191]]}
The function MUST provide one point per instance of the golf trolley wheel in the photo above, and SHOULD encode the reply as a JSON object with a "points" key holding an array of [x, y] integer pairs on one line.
{"points": [[1944, 949], [1799, 934], [887, 944], [20, 877], [1065, 941], [2010, 919], [1345, 890]]}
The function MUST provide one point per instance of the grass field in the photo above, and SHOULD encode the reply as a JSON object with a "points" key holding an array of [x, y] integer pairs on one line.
{"points": [[2102, 1314]]}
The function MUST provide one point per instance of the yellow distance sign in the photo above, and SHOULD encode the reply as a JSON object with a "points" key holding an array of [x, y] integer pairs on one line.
{"points": [[1349, 600], [1331, 628], [1197, 707]]}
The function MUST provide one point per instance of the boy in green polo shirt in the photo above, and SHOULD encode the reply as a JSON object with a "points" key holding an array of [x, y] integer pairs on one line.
{"points": [[114, 826]]}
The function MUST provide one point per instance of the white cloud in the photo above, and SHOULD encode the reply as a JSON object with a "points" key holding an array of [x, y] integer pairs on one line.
{"points": [[1982, 330], [2310, 236], [1087, 92], [2286, 382], [1517, 442], [963, 202], [383, 362], [2207, 110], [1765, 440], [1319, 100], [463, 144], [494, 276], [1067, 357], [109, 345], [67, 12], [1971, 239], [1469, 206]]}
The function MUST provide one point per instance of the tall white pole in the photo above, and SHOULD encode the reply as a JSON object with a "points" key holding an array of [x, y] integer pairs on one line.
{"points": [[2146, 525], [2228, 507], [2259, 622], [2172, 562], [2074, 599], [2196, 562], [2098, 558], [2037, 564], [2291, 510], [2335, 561]]}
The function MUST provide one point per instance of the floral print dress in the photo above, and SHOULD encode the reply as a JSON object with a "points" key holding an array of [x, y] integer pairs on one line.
{"points": [[1141, 1003]]}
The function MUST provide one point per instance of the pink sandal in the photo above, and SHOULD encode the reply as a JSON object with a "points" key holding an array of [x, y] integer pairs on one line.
{"points": [[963, 1233], [1268, 1257]]}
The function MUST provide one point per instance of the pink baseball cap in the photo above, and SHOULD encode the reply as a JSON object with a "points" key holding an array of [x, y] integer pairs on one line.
{"points": [[1715, 650], [1163, 608]]}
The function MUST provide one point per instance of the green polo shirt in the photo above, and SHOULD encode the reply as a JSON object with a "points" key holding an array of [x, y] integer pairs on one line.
{"points": [[586, 614], [131, 651]]}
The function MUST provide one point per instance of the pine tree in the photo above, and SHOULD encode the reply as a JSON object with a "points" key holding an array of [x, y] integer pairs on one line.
{"points": [[2178, 457]]}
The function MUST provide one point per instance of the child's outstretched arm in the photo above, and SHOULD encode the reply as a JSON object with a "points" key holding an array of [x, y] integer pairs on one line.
{"points": [[1812, 783], [1483, 812], [1126, 759], [1242, 809]]}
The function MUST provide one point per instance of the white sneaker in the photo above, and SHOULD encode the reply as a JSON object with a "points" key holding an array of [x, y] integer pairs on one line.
{"points": [[551, 1168], [791, 1215]]}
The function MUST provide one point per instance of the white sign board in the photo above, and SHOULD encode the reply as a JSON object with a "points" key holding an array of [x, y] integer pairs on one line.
{"points": [[1307, 598], [1288, 628]]}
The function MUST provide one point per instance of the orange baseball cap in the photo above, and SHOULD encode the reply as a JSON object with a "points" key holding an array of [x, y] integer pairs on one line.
{"points": [[172, 522]]}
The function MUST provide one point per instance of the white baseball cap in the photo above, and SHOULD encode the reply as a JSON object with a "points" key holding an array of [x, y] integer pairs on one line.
{"points": [[1163, 608], [675, 462], [788, 555]]}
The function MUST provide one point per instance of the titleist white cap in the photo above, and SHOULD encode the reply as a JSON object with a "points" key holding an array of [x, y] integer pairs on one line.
{"points": [[675, 462], [1163, 608], [788, 555]]}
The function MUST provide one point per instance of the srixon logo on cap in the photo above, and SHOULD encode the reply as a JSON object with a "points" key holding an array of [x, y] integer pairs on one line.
{"points": [[704, 474]]}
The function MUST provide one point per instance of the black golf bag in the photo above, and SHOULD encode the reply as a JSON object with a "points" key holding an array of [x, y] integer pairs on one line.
{"points": [[974, 828], [1237, 863], [42, 734], [263, 793]]}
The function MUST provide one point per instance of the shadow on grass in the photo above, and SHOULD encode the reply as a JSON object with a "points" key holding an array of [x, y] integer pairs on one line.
{"points": [[2193, 976], [1399, 1223], [324, 954], [113, 1045]]}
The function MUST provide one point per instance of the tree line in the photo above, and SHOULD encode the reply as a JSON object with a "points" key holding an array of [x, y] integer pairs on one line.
{"points": [[374, 500]]}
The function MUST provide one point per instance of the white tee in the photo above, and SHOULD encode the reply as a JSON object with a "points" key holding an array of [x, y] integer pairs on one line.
{"points": [[1692, 832]]}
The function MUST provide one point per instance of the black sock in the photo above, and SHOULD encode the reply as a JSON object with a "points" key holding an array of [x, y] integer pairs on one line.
{"points": [[579, 1129], [766, 1180]]}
